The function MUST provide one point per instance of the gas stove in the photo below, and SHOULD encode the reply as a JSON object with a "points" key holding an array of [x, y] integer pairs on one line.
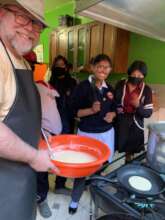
{"points": [[112, 198]]}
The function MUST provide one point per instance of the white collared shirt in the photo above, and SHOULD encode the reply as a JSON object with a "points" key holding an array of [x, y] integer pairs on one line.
{"points": [[103, 85]]}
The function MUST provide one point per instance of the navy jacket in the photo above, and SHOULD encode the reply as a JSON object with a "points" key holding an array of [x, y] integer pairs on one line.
{"points": [[83, 97]]}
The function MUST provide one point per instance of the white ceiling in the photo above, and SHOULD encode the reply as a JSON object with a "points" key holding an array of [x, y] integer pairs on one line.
{"points": [[145, 17], [52, 4]]}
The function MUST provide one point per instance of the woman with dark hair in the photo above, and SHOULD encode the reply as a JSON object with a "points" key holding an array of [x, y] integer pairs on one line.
{"points": [[62, 81], [61, 78], [94, 104], [134, 103]]}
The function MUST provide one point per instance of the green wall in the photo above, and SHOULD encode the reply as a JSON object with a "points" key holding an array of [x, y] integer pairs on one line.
{"points": [[153, 53], [52, 19]]}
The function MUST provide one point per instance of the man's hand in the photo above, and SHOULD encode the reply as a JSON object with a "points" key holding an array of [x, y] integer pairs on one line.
{"points": [[109, 117], [96, 107], [41, 162]]}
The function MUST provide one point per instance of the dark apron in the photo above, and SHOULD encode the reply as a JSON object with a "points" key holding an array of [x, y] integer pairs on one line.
{"points": [[18, 180]]}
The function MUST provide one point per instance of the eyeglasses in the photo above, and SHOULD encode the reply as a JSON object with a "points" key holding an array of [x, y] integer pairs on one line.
{"points": [[103, 67], [24, 20]]}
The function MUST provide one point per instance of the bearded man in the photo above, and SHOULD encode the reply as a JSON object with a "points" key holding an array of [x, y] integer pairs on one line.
{"points": [[21, 23]]}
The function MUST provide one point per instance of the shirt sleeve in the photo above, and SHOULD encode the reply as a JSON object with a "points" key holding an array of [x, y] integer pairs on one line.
{"points": [[113, 102], [119, 92], [146, 107], [77, 99]]}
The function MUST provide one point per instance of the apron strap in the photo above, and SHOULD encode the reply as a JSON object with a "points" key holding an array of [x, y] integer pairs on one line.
{"points": [[11, 59]]}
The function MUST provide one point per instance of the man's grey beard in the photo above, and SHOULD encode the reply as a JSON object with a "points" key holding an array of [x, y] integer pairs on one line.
{"points": [[15, 44], [21, 49]]}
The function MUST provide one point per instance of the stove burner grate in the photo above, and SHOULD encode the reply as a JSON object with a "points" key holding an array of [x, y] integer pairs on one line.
{"points": [[140, 205]]}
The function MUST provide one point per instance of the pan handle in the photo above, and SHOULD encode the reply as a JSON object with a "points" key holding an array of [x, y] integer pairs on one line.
{"points": [[101, 178], [162, 191]]}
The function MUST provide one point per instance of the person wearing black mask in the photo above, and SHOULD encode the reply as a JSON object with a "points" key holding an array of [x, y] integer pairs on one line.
{"points": [[134, 103], [62, 81]]}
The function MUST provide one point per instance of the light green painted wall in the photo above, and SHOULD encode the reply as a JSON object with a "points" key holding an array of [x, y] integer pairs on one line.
{"points": [[52, 19], [153, 53]]}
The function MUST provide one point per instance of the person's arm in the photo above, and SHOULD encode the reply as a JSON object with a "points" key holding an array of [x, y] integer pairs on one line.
{"points": [[84, 112], [118, 93], [14, 148], [112, 113], [96, 107], [79, 99], [145, 109]]}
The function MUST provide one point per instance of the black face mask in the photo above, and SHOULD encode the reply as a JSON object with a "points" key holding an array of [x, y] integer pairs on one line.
{"points": [[59, 71], [135, 80]]}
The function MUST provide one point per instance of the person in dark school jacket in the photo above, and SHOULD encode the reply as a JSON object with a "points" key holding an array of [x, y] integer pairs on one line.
{"points": [[62, 81], [93, 102], [134, 103]]}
